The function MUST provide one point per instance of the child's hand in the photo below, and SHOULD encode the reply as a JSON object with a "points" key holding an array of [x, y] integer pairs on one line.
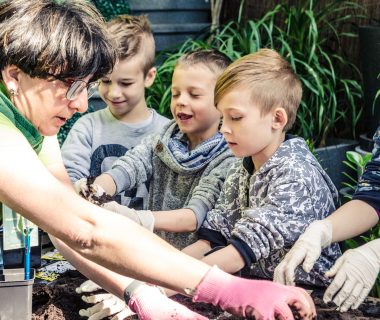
{"points": [[105, 304], [305, 251], [262, 299], [151, 304], [354, 273], [90, 191], [142, 217]]}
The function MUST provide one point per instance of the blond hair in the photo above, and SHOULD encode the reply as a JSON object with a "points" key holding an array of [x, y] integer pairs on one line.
{"points": [[270, 79], [133, 35]]}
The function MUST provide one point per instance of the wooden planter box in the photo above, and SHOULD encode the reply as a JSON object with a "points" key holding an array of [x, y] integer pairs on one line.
{"points": [[174, 21]]}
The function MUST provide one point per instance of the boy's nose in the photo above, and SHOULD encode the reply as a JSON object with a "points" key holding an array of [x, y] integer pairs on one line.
{"points": [[224, 129], [113, 91]]}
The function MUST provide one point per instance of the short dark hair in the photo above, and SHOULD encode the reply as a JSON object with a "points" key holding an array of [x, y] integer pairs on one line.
{"points": [[213, 59], [66, 38], [133, 35]]}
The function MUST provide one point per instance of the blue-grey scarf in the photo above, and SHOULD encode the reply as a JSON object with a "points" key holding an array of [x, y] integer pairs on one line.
{"points": [[206, 150]]}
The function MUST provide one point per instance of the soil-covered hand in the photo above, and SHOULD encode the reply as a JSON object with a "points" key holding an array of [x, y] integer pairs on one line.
{"points": [[142, 217], [92, 192], [262, 299], [151, 304], [354, 273], [106, 304], [305, 251]]}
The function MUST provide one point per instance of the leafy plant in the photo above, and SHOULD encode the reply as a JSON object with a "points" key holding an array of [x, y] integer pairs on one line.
{"points": [[309, 37], [357, 162]]}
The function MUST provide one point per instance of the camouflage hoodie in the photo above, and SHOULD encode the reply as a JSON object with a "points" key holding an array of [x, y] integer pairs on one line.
{"points": [[263, 213]]}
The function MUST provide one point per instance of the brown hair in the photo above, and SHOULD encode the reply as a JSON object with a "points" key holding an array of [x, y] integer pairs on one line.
{"points": [[133, 35], [67, 38], [213, 59], [269, 77]]}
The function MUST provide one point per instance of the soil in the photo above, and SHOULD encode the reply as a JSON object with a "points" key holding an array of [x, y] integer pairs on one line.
{"points": [[59, 301], [91, 196]]}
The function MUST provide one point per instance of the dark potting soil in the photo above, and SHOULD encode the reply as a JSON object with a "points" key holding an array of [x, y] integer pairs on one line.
{"points": [[90, 194], [59, 301]]}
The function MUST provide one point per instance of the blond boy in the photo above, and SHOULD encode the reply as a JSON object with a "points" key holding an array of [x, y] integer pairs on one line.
{"points": [[278, 187], [99, 138]]}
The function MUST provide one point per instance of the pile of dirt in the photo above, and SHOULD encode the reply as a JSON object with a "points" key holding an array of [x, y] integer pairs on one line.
{"points": [[59, 301]]}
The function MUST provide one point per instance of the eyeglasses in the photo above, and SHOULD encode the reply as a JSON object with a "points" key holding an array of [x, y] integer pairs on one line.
{"points": [[76, 87]]}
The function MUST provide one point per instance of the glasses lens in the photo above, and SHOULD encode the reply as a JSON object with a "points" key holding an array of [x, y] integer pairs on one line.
{"points": [[91, 88], [75, 89]]}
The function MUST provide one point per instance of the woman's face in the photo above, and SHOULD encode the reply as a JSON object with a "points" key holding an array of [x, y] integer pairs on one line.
{"points": [[43, 102]]}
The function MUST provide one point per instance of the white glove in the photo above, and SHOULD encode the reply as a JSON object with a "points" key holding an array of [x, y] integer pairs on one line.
{"points": [[144, 218], [355, 274], [92, 193], [106, 304], [306, 250]]}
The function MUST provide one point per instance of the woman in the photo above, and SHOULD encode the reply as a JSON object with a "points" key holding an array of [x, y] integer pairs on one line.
{"points": [[51, 51]]}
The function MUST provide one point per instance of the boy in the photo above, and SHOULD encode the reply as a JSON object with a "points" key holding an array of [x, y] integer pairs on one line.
{"points": [[186, 163], [99, 138], [278, 187]]}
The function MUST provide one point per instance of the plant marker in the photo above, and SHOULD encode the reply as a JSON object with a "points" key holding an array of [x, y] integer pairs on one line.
{"points": [[27, 231]]}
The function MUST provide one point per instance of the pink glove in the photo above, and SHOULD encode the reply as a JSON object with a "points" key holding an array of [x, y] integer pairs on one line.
{"points": [[263, 299], [151, 304]]}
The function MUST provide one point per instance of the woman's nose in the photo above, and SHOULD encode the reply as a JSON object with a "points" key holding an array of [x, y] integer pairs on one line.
{"points": [[80, 103]]}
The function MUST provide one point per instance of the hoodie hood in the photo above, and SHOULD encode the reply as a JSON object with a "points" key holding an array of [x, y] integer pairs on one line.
{"points": [[292, 151]]}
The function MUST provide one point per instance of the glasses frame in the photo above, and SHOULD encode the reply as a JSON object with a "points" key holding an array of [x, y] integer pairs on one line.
{"points": [[76, 87]]}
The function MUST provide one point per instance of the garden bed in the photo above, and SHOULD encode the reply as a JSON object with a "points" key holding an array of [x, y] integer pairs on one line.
{"points": [[59, 301]]}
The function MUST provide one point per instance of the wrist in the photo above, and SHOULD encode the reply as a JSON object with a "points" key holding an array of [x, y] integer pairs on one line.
{"points": [[319, 231], [131, 289]]}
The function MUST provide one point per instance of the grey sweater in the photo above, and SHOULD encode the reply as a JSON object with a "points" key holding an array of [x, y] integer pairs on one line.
{"points": [[172, 186], [97, 139], [263, 213]]}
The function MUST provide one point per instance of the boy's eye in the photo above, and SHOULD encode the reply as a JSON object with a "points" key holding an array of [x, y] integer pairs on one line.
{"points": [[174, 95], [194, 95], [236, 118], [126, 84], [105, 81]]}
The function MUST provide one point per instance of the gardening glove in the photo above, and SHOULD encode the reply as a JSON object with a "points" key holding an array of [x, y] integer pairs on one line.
{"points": [[306, 250], [150, 303], [354, 273], [262, 299], [142, 217], [106, 304], [91, 193]]}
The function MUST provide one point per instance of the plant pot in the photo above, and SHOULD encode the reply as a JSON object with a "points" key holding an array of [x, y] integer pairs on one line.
{"points": [[15, 294], [331, 159], [15, 258]]}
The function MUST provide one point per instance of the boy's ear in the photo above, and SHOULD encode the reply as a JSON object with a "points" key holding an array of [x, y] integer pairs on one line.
{"points": [[11, 75], [280, 118], [150, 76]]}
